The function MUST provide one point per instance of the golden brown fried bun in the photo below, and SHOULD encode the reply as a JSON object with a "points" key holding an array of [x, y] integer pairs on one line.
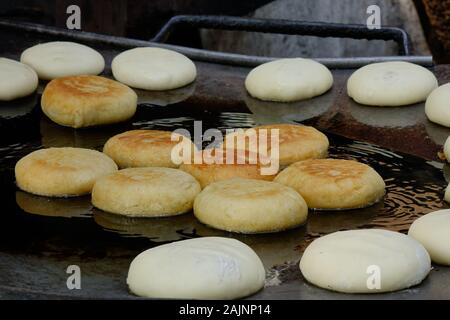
{"points": [[146, 192], [84, 101], [334, 183], [61, 172], [215, 167], [144, 148], [250, 206], [296, 142]]}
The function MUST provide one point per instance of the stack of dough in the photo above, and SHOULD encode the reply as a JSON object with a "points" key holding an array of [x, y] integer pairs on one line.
{"points": [[365, 261], [146, 192], [153, 69], [295, 142], [83, 101], [203, 268], [147, 148], [61, 172], [334, 183], [53, 60], [287, 80], [250, 206], [17, 80], [395, 83]]}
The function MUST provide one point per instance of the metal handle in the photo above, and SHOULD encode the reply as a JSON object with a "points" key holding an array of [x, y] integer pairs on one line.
{"points": [[318, 29]]}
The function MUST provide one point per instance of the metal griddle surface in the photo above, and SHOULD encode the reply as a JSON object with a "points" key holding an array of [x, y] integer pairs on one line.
{"points": [[40, 236]]}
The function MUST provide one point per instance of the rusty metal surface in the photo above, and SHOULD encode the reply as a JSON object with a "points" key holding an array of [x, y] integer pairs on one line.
{"points": [[40, 236]]}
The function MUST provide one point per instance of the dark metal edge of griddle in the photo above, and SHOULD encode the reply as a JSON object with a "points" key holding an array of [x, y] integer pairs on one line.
{"points": [[201, 54]]}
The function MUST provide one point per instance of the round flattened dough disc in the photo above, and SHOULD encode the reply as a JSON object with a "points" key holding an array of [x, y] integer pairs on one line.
{"points": [[395, 83], [202, 268], [365, 261], [62, 59], [433, 232], [17, 80], [250, 206], [437, 106], [146, 148], [330, 184], [146, 192], [87, 100], [153, 69], [287, 80], [59, 172]]}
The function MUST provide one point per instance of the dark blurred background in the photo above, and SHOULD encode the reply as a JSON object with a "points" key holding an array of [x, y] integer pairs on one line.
{"points": [[427, 21]]}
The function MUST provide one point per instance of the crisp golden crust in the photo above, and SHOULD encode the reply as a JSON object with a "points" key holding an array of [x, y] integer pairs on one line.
{"points": [[146, 192], [296, 142], [214, 167], [143, 148], [334, 183], [60, 172], [250, 206], [82, 101]]}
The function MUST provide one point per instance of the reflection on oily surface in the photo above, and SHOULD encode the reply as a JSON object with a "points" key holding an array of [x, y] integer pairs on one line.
{"points": [[324, 222], [446, 170], [161, 229], [275, 112], [54, 207], [19, 107], [54, 135], [437, 133], [273, 248], [164, 98], [390, 117]]}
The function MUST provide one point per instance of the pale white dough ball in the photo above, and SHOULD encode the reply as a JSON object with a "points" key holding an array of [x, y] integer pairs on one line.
{"points": [[201, 268]]}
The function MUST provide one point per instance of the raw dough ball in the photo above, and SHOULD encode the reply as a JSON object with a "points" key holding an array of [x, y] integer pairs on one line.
{"points": [[437, 106], [395, 83], [202, 268], [250, 206], [17, 80], [153, 69], [433, 232], [287, 80], [447, 149], [334, 183], [349, 261], [146, 192], [60, 172], [62, 59], [84, 101]]}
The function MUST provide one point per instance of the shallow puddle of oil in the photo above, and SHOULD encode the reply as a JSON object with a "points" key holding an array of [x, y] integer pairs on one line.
{"points": [[414, 187]]}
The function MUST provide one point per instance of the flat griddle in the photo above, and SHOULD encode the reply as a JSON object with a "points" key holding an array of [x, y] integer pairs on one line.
{"points": [[41, 237]]}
